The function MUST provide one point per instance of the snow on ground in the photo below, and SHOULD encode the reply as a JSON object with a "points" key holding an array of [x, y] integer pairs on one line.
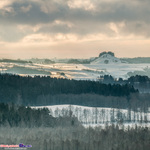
{"points": [[74, 71], [98, 116], [106, 64], [107, 59]]}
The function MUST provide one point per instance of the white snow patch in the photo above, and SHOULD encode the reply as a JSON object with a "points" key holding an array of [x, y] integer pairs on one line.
{"points": [[99, 116]]}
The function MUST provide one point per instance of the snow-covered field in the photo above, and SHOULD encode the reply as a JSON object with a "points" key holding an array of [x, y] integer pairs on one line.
{"points": [[104, 65], [98, 116], [73, 71]]}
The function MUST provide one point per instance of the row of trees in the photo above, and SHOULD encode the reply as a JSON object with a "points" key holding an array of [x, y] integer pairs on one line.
{"points": [[133, 102], [142, 83], [103, 53], [98, 115], [131, 80], [110, 138], [20, 116], [14, 61], [26, 90]]}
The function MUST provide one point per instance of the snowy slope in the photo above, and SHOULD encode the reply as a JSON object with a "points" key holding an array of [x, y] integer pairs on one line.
{"points": [[99, 116], [107, 59], [92, 71]]}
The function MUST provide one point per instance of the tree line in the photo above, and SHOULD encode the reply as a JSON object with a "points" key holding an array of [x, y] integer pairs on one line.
{"points": [[20, 116], [108, 79], [79, 138], [99, 115], [26, 90], [142, 83]]}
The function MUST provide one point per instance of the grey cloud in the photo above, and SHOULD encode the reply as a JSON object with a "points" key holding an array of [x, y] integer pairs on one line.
{"points": [[10, 33], [138, 28], [135, 15], [105, 12], [79, 28]]}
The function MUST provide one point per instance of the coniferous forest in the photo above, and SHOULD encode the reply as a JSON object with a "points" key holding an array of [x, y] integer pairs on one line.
{"points": [[20, 116], [78, 138], [34, 90], [43, 131]]}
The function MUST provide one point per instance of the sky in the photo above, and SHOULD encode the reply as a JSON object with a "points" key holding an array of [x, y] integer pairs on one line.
{"points": [[74, 28]]}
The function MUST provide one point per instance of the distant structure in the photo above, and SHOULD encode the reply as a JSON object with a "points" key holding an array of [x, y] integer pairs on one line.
{"points": [[109, 52]]}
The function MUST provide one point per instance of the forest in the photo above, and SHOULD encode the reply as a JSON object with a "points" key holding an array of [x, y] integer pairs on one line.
{"points": [[12, 115], [34, 90], [108, 79], [78, 138], [140, 82], [39, 128], [36, 127]]}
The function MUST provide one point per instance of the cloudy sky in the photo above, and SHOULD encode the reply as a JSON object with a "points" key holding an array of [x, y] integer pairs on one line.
{"points": [[74, 28]]}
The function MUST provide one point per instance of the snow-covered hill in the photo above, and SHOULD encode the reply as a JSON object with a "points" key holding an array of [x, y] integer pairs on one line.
{"points": [[107, 59], [77, 71], [105, 64], [94, 116]]}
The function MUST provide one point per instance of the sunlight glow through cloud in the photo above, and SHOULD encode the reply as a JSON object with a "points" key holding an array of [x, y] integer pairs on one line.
{"points": [[74, 27]]}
